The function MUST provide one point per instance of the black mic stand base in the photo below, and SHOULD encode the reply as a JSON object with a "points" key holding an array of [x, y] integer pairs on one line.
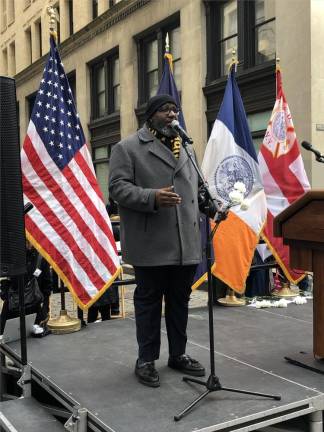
{"points": [[212, 385]]}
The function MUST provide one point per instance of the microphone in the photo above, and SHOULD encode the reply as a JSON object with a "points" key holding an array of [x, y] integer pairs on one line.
{"points": [[309, 147], [180, 131]]}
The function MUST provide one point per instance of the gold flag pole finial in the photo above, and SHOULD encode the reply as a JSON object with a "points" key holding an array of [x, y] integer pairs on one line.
{"points": [[52, 21], [167, 53], [278, 64], [167, 44], [234, 61]]}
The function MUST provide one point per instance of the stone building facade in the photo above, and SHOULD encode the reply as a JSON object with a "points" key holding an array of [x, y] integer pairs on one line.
{"points": [[112, 52]]}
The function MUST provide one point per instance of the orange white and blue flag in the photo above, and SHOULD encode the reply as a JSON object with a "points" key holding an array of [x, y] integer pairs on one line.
{"points": [[283, 174], [230, 157]]}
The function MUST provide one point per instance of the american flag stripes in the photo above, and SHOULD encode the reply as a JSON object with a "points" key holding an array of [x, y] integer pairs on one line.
{"points": [[69, 224]]}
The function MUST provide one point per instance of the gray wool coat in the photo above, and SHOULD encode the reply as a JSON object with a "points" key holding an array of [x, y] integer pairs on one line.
{"points": [[139, 165]]}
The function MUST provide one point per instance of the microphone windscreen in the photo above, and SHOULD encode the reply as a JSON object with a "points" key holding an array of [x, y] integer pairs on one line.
{"points": [[306, 145]]}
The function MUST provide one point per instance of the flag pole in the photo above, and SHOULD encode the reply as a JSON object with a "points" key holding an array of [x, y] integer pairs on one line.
{"points": [[64, 323]]}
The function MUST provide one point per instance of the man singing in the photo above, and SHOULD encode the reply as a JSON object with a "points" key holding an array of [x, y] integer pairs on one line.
{"points": [[156, 188]]}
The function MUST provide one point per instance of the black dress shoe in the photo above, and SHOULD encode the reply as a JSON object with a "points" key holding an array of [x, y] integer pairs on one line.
{"points": [[187, 365], [147, 374]]}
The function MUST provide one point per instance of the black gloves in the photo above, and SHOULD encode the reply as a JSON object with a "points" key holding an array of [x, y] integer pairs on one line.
{"points": [[206, 205]]}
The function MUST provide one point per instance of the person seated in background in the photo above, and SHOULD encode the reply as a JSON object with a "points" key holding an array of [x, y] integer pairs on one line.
{"points": [[104, 305], [44, 280], [258, 281]]}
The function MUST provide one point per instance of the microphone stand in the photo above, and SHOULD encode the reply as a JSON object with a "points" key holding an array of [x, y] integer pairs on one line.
{"points": [[213, 383]]}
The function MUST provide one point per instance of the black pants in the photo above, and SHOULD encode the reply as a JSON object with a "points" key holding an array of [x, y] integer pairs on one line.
{"points": [[93, 312], [174, 283]]}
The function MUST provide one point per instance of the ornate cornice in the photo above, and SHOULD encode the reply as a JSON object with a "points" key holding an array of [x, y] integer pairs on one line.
{"points": [[101, 24]]}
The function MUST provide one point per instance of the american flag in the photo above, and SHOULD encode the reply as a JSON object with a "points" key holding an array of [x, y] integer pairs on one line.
{"points": [[69, 224]]}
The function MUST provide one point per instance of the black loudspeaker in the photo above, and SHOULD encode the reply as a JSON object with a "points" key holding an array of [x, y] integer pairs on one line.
{"points": [[13, 242]]}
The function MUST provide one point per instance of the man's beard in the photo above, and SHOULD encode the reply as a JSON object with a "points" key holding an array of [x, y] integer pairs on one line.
{"points": [[164, 129]]}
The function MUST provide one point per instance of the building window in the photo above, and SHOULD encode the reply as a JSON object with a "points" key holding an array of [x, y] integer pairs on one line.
{"points": [[258, 123], [94, 9], [265, 33], [151, 49], [100, 90], [105, 89], [38, 38], [116, 84], [246, 26], [100, 157], [151, 67], [228, 39], [105, 116], [28, 38]]}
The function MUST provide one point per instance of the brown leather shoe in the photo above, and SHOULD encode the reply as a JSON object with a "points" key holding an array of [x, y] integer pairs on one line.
{"points": [[187, 365], [147, 374]]}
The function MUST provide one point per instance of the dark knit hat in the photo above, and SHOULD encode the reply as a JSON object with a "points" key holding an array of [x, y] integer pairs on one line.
{"points": [[156, 102]]}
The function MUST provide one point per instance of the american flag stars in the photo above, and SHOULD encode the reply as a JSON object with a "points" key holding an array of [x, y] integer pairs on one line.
{"points": [[56, 118]]}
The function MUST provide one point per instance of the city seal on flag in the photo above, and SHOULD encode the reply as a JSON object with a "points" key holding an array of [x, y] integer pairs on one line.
{"points": [[233, 169], [279, 126]]}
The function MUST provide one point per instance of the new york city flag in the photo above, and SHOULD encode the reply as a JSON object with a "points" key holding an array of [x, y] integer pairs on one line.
{"points": [[230, 157]]}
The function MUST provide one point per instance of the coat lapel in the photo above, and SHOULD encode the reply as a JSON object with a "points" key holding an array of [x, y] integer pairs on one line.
{"points": [[161, 151], [183, 158], [156, 147]]}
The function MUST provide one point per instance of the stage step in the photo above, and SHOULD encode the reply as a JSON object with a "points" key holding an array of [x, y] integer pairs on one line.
{"points": [[301, 424], [27, 415]]}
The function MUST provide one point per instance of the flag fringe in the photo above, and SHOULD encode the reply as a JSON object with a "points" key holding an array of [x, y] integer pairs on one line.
{"points": [[203, 278], [65, 280], [280, 262]]}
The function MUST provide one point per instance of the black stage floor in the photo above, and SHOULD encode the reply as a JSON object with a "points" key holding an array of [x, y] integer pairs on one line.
{"points": [[95, 368]]}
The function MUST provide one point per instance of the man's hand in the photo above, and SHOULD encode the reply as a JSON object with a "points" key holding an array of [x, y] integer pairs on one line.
{"points": [[166, 197]]}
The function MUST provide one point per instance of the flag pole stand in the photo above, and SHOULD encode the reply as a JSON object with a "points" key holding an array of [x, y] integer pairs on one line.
{"points": [[213, 383], [286, 291], [231, 299], [64, 323]]}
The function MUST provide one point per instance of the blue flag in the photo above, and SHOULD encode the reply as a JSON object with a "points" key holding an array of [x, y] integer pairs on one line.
{"points": [[168, 86]]}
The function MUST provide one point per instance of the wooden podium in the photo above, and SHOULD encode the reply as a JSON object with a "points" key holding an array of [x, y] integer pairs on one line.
{"points": [[302, 227]]}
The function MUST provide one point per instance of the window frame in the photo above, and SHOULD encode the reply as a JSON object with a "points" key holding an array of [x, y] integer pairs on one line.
{"points": [[157, 32], [107, 61], [246, 28]]}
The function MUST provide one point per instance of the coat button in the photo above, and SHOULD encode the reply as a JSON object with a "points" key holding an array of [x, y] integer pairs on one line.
{"points": [[194, 223], [192, 201]]}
